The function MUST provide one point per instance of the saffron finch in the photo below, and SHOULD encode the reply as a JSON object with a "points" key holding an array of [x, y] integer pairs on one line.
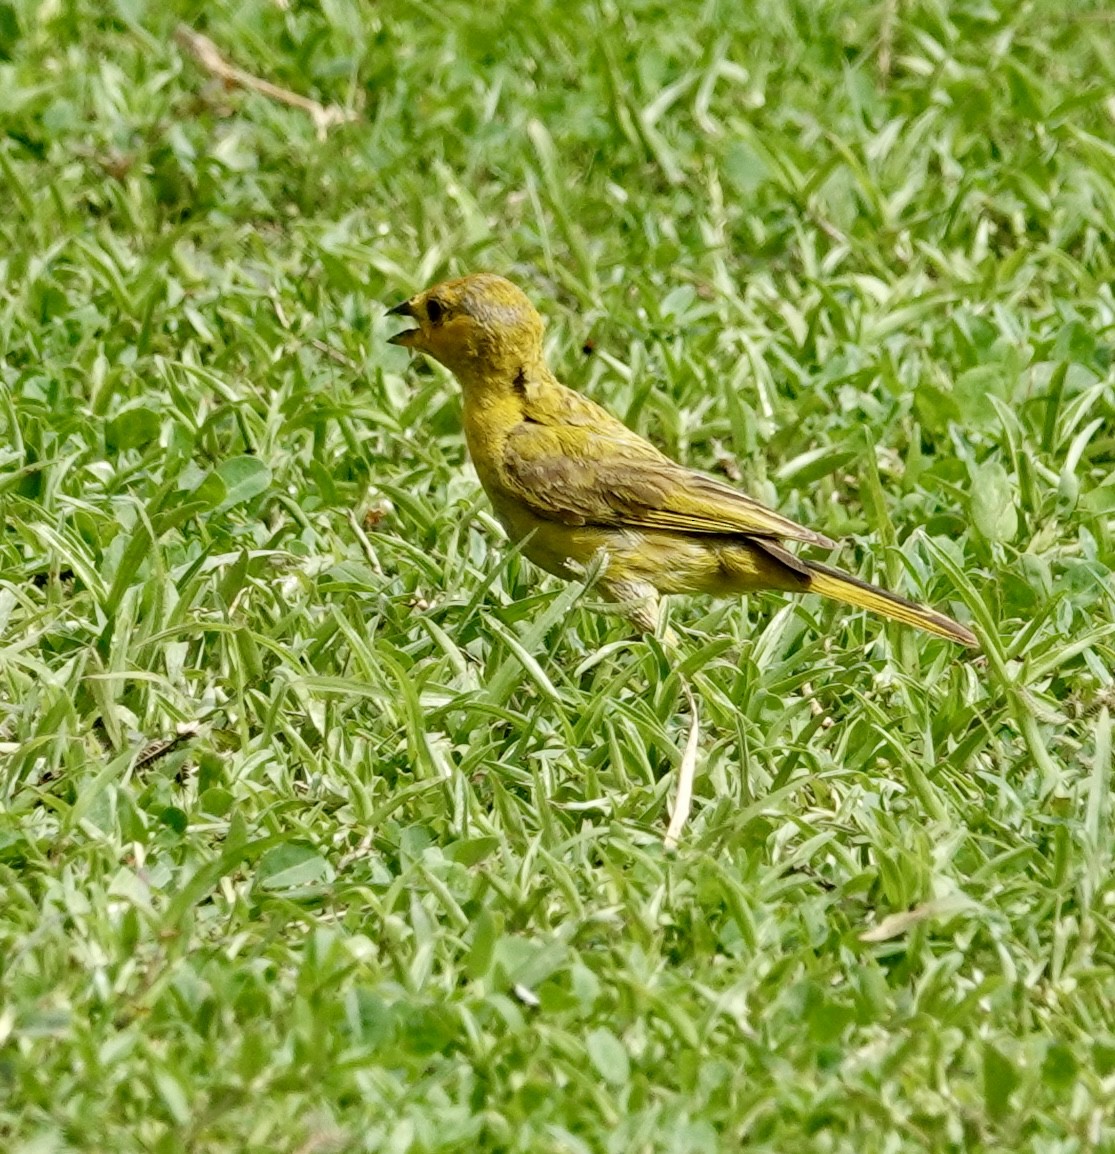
{"points": [[575, 485]]}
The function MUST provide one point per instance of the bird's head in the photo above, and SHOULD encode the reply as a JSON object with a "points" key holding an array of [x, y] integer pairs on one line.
{"points": [[481, 327]]}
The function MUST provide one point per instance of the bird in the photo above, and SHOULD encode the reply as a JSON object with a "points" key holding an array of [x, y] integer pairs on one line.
{"points": [[583, 493]]}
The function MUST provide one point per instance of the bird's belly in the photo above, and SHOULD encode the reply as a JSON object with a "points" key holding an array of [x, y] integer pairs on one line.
{"points": [[564, 550], [670, 562]]}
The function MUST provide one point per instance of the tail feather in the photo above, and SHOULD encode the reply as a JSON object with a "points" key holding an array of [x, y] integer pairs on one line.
{"points": [[851, 590]]}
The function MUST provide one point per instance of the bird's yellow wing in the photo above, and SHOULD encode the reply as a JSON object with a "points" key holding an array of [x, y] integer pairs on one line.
{"points": [[609, 475]]}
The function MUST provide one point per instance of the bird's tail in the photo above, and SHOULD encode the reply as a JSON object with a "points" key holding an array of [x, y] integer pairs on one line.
{"points": [[852, 591]]}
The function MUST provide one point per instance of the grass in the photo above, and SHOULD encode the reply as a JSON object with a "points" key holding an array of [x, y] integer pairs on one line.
{"points": [[397, 881]]}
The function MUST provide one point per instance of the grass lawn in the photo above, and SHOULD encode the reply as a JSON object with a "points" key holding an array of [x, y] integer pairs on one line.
{"points": [[329, 824]]}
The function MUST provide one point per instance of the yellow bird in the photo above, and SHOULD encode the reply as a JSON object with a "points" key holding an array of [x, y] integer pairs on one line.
{"points": [[574, 484]]}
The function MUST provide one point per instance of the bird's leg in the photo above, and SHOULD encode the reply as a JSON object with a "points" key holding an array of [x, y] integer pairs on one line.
{"points": [[635, 600]]}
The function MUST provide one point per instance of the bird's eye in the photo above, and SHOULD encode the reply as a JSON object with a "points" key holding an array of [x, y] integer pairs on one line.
{"points": [[434, 311]]}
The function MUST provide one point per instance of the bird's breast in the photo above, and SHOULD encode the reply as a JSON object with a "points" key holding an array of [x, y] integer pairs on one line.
{"points": [[487, 424]]}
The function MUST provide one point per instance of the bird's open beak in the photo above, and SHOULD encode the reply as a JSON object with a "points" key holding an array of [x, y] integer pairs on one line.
{"points": [[407, 336]]}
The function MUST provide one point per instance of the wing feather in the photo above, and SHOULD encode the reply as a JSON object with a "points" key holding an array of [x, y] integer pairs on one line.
{"points": [[611, 476]]}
